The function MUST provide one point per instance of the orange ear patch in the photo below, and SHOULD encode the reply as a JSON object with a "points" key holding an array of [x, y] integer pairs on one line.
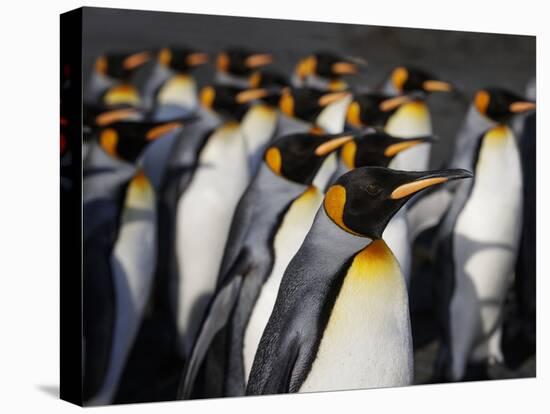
{"points": [[481, 101], [286, 103], [354, 114], [335, 201], [108, 140], [274, 160], [348, 154], [399, 77]]}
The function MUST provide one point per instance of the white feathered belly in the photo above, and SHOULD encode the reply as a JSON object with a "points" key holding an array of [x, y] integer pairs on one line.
{"points": [[289, 238], [133, 265], [204, 217], [367, 342], [485, 246]]}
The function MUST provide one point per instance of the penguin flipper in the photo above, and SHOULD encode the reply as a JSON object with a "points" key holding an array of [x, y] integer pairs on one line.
{"points": [[218, 315]]}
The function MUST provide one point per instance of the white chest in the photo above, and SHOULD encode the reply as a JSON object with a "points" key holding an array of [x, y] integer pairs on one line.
{"points": [[332, 119], [292, 232], [258, 127], [411, 120], [367, 342], [179, 90]]}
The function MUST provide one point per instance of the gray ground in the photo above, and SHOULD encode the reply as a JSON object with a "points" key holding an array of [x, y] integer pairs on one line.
{"points": [[470, 60]]}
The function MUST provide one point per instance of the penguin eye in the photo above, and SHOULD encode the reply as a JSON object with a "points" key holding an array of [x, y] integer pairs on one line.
{"points": [[373, 189]]}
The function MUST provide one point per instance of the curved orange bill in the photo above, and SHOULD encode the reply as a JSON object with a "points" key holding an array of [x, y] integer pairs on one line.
{"points": [[437, 86], [344, 68], [332, 97], [522, 106], [115, 115], [258, 59], [196, 59], [427, 180], [135, 60], [395, 149], [160, 130], [332, 145], [250, 95], [392, 103]]}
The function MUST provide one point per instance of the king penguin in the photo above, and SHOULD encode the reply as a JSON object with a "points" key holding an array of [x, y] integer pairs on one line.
{"points": [[205, 209], [119, 227], [111, 82], [324, 70], [400, 116], [477, 245], [269, 225], [171, 90], [238, 66], [341, 317]]}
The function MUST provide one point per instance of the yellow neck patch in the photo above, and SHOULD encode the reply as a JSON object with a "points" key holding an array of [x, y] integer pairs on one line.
{"points": [[374, 261], [497, 135], [335, 201], [122, 94]]}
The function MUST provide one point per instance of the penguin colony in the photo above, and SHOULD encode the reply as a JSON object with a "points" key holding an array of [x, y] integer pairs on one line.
{"points": [[255, 235]]}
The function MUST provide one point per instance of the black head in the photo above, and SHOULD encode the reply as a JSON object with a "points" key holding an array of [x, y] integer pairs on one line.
{"points": [[500, 105], [376, 148], [265, 78], [181, 59], [225, 100], [241, 62], [328, 65], [298, 157], [121, 66], [127, 140], [307, 103], [408, 79], [374, 109], [363, 201]]}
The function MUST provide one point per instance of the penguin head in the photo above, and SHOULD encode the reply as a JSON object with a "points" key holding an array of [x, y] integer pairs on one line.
{"points": [[241, 62], [298, 157], [265, 78], [375, 148], [363, 201], [499, 105], [120, 66], [328, 65], [126, 140], [374, 109], [181, 59], [226, 100], [307, 103], [406, 79]]}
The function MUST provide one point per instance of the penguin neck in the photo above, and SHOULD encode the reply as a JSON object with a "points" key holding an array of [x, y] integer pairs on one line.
{"points": [[328, 238], [224, 78], [266, 181], [332, 118], [290, 125], [180, 90], [410, 120]]}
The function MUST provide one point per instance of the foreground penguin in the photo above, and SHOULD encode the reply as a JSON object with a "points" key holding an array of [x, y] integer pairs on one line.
{"points": [[269, 225], [341, 317], [476, 254], [119, 228]]}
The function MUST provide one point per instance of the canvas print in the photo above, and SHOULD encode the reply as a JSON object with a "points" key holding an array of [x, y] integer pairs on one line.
{"points": [[277, 206]]}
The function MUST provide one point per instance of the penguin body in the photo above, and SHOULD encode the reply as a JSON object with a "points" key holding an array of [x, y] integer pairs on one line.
{"points": [[477, 251], [119, 230], [133, 264], [254, 259], [204, 216], [318, 331]]}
